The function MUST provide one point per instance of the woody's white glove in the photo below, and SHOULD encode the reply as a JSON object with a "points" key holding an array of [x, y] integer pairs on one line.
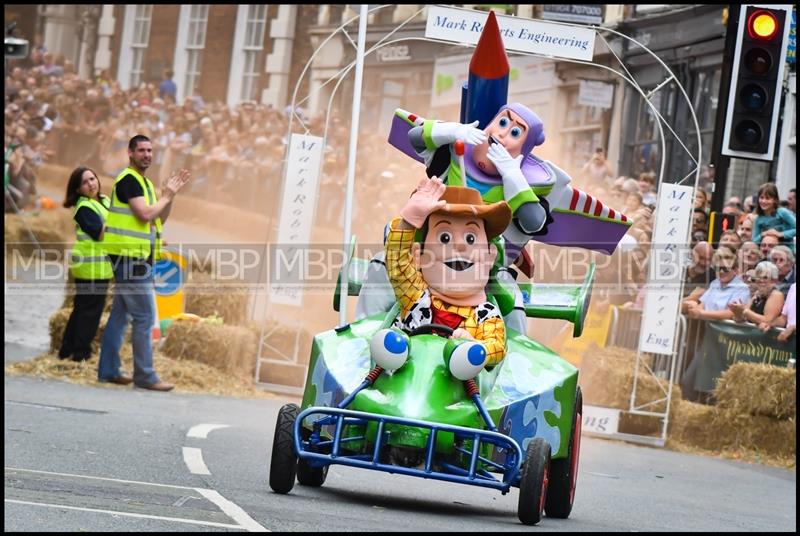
{"points": [[445, 133]]}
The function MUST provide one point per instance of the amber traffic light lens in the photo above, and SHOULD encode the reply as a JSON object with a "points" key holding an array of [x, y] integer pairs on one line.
{"points": [[762, 25]]}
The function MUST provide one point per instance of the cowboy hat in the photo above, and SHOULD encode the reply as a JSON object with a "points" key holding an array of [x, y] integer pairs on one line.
{"points": [[464, 201]]}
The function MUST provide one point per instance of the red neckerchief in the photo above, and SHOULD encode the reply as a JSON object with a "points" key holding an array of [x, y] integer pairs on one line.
{"points": [[446, 318]]}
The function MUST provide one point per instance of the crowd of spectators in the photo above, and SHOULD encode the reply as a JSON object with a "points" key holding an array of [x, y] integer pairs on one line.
{"points": [[235, 154], [739, 276], [745, 274]]}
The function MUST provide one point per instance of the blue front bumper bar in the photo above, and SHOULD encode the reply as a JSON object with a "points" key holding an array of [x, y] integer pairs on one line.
{"points": [[320, 451]]}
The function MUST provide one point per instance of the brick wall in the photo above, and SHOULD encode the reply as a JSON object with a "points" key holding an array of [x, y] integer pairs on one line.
{"points": [[217, 54], [161, 47], [302, 47], [116, 39]]}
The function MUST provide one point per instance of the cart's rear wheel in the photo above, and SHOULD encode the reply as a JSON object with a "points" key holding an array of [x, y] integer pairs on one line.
{"points": [[534, 481], [564, 472], [283, 466]]}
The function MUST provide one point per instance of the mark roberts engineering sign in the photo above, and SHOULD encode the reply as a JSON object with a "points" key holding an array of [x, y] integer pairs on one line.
{"points": [[525, 35]]}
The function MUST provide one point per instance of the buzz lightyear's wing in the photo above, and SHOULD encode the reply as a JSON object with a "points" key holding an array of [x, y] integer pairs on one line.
{"points": [[402, 122], [580, 220]]}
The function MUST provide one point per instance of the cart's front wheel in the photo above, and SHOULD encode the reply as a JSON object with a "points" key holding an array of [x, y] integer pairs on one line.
{"points": [[283, 466], [564, 471], [534, 481]]}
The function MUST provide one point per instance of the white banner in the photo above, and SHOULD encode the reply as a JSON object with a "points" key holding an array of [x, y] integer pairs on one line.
{"points": [[600, 420], [288, 259], [545, 38], [670, 241], [594, 93], [527, 73]]}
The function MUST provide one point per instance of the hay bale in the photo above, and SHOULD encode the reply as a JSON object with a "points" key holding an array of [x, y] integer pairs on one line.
{"points": [[606, 380], [188, 376], [229, 348], [280, 338], [54, 230], [690, 424], [646, 425], [58, 322], [714, 428], [206, 296], [758, 389]]}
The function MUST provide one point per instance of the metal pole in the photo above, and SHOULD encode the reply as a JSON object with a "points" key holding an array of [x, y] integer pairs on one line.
{"points": [[351, 167]]}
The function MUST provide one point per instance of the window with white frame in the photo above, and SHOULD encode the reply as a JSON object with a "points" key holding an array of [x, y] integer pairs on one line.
{"points": [[253, 44], [195, 43], [141, 37]]}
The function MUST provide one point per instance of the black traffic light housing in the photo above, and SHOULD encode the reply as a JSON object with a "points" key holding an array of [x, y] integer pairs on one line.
{"points": [[754, 96]]}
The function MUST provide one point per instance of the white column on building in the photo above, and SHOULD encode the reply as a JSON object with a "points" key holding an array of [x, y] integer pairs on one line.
{"points": [[102, 58], [279, 62], [89, 15], [403, 11], [179, 58], [347, 14], [326, 64], [61, 30], [324, 15], [525, 11], [786, 177]]}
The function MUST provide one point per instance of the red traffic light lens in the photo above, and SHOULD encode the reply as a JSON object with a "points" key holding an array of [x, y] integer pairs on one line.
{"points": [[758, 61], [762, 25]]}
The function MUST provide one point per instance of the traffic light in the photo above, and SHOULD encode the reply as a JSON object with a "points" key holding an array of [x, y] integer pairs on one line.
{"points": [[756, 78], [718, 224]]}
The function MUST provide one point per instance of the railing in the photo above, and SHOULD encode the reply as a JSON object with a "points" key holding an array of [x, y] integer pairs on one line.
{"points": [[626, 328]]}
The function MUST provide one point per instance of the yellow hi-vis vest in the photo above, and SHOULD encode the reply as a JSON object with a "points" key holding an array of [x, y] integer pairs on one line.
{"points": [[126, 235], [89, 259]]}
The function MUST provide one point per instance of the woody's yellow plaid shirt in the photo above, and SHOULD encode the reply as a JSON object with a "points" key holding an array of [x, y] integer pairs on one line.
{"points": [[409, 286]]}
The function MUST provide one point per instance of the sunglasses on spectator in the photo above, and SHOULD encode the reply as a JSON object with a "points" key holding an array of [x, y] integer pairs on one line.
{"points": [[752, 279], [723, 269]]}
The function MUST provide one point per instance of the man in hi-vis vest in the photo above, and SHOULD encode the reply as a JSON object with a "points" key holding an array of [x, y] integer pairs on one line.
{"points": [[133, 243]]}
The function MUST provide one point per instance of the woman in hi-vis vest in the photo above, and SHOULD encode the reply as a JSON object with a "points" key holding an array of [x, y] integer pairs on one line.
{"points": [[89, 265]]}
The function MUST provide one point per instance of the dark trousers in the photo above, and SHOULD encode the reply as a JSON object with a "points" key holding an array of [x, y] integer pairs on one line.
{"points": [[90, 298]]}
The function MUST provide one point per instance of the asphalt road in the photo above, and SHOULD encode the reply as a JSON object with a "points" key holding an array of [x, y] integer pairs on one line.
{"points": [[84, 458]]}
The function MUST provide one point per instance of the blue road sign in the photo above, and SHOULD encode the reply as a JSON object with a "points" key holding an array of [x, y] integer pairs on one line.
{"points": [[168, 277]]}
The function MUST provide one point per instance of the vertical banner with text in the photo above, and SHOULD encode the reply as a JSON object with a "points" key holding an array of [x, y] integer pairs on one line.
{"points": [[670, 242], [288, 260]]}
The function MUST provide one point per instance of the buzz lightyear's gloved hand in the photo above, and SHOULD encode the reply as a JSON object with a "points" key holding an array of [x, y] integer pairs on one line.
{"points": [[528, 215], [444, 133], [507, 167]]}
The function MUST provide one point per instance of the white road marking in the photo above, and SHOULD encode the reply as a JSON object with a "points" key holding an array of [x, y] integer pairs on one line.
{"points": [[194, 461], [128, 514], [99, 478], [229, 508], [202, 430], [232, 510]]}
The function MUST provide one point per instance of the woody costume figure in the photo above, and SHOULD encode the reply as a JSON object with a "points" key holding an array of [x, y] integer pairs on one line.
{"points": [[442, 278]]}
